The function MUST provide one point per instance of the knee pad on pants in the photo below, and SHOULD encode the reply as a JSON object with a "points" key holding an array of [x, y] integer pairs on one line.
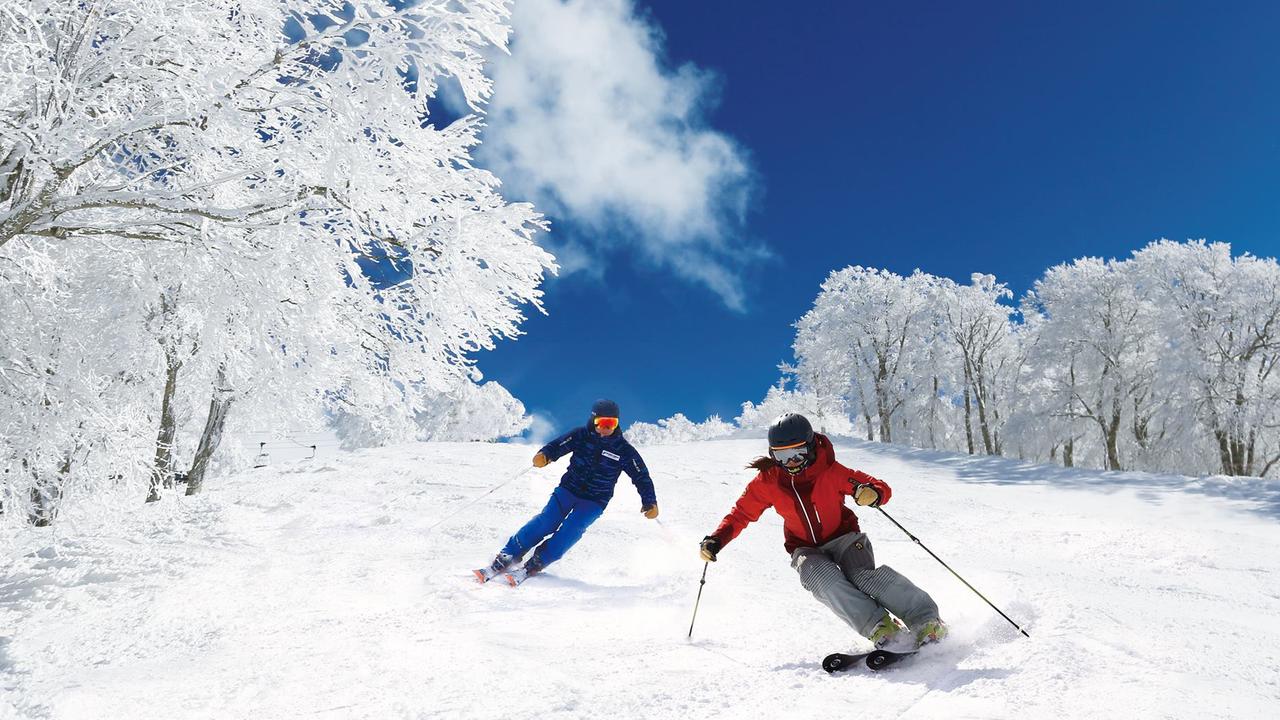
{"points": [[879, 582], [817, 572], [897, 594]]}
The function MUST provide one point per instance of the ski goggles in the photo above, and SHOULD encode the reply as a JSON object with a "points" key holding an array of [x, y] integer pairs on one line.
{"points": [[791, 453], [606, 423]]}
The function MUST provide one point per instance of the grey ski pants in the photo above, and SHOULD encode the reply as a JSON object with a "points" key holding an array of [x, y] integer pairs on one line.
{"points": [[843, 575]]}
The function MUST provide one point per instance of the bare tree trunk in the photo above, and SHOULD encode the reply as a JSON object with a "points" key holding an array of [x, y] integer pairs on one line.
{"points": [[1249, 450], [1224, 452], [996, 442], [968, 415], [1141, 426], [866, 416], [1236, 455], [45, 494], [11, 168], [1111, 434], [1069, 453], [882, 404], [219, 406], [933, 415], [886, 423], [162, 469], [983, 424]]}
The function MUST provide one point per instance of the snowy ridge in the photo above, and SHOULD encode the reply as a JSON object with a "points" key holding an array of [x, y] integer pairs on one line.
{"points": [[341, 587]]}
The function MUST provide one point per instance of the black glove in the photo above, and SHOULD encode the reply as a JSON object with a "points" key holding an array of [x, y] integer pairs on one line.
{"points": [[708, 548]]}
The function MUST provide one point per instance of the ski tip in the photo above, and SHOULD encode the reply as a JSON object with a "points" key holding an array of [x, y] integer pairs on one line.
{"points": [[511, 580], [480, 578], [835, 662]]}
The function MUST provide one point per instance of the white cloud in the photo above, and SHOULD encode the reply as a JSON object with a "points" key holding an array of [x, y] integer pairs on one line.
{"points": [[542, 429], [589, 122]]}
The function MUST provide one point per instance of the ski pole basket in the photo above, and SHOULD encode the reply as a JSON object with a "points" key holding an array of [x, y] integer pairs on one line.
{"points": [[263, 457]]}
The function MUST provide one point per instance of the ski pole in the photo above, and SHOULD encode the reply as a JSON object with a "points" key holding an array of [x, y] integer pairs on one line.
{"points": [[916, 540], [702, 582], [667, 534], [490, 491]]}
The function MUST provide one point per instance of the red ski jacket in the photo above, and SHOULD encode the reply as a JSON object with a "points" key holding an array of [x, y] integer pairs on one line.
{"points": [[810, 502]]}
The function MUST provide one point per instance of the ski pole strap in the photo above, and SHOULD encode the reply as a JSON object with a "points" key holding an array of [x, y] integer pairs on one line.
{"points": [[916, 540]]}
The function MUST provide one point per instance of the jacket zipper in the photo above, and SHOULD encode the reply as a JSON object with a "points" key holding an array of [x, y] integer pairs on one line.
{"points": [[804, 512]]}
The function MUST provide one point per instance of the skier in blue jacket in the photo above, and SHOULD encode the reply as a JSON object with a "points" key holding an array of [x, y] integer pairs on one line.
{"points": [[599, 454]]}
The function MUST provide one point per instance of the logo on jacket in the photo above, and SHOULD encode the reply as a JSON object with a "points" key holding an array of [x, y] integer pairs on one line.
{"points": [[610, 455]]}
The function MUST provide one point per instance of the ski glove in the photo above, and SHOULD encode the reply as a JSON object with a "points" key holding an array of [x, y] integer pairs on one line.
{"points": [[540, 460], [709, 548], [650, 511], [866, 495]]}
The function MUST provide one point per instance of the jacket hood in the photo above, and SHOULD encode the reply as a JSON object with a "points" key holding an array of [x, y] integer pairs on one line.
{"points": [[824, 454]]}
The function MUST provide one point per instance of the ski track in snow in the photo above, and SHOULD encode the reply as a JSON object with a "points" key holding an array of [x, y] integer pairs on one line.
{"points": [[318, 590]]}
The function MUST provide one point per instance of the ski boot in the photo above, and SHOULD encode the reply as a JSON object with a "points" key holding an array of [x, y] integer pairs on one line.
{"points": [[496, 568], [931, 632], [890, 635], [524, 572]]}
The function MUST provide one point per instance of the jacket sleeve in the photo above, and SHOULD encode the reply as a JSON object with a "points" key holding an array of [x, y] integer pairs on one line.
{"points": [[857, 477], [635, 468], [562, 445], [746, 511]]}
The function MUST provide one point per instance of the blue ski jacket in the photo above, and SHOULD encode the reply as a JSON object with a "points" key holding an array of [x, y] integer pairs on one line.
{"points": [[596, 463]]}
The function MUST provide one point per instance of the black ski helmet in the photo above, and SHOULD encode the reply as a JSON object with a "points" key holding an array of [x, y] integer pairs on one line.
{"points": [[790, 429], [604, 408]]}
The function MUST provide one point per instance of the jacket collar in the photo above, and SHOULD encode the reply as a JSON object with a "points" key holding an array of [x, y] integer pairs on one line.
{"points": [[824, 456], [613, 439]]}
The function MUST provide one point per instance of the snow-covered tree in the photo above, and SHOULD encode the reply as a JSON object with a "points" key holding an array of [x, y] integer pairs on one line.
{"points": [[1165, 361], [1220, 317], [72, 370], [678, 429], [1095, 343], [233, 176], [977, 326], [824, 414], [243, 124], [470, 411], [865, 337]]}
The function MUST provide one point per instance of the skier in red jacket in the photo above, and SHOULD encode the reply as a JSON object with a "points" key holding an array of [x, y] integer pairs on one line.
{"points": [[802, 481]]}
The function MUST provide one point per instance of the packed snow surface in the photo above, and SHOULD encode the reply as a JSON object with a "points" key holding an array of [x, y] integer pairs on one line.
{"points": [[340, 587]]}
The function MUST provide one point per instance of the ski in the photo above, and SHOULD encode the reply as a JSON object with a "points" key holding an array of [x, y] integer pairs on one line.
{"points": [[835, 662], [881, 659], [517, 576], [499, 566]]}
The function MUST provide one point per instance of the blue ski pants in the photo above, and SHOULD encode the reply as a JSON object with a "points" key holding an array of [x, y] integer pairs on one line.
{"points": [[565, 518]]}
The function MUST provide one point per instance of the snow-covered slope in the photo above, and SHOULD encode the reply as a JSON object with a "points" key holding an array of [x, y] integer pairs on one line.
{"points": [[340, 587]]}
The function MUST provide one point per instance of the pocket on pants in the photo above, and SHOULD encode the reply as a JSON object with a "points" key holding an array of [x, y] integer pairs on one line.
{"points": [[857, 554]]}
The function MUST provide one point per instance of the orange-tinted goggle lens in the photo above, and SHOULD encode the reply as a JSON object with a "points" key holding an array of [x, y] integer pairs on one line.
{"points": [[606, 423], [790, 453]]}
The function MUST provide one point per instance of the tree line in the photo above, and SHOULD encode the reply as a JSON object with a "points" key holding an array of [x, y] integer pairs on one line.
{"points": [[1162, 361]]}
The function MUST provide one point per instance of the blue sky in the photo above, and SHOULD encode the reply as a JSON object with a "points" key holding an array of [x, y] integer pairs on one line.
{"points": [[950, 137]]}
